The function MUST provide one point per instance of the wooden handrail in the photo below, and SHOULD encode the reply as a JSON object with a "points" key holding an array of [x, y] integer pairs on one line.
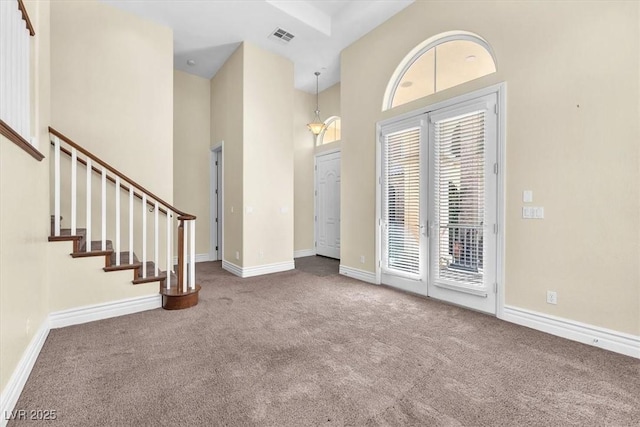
{"points": [[182, 215], [25, 16]]}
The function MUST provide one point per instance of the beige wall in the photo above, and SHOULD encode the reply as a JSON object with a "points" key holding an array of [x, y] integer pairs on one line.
{"points": [[268, 158], [581, 162], [191, 153], [226, 128], [304, 142], [24, 218], [112, 89], [112, 92]]}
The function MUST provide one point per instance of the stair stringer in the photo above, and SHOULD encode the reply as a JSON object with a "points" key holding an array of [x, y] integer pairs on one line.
{"points": [[80, 282]]}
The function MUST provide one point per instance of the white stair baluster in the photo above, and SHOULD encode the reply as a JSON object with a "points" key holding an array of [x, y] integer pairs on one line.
{"points": [[117, 248], [192, 255], [169, 263], [88, 235], [103, 192], [74, 191], [144, 236], [130, 224], [185, 273], [56, 180], [156, 269]]}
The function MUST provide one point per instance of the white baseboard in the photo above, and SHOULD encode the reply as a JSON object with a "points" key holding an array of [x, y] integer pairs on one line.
{"points": [[90, 313], [303, 253], [232, 268], [21, 373], [365, 276], [257, 270], [199, 258], [596, 336]]}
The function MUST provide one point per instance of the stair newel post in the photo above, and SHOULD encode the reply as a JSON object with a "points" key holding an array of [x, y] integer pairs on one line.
{"points": [[181, 256], [56, 179]]}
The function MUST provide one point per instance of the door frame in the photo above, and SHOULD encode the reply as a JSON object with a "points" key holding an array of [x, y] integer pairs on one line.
{"points": [[500, 90], [315, 194], [215, 151]]}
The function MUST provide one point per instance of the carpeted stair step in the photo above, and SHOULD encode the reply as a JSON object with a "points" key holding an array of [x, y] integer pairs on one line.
{"points": [[65, 235], [152, 275], [124, 263], [96, 245]]}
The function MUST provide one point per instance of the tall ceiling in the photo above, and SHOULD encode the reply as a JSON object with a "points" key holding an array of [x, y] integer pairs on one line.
{"points": [[208, 31]]}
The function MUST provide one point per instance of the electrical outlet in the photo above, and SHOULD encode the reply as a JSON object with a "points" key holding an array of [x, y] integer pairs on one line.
{"points": [[237, 255], [361, 259], [28, 326], [552, 297], [261, 253]]}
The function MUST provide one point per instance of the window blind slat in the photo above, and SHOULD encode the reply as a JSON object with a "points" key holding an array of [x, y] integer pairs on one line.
{"points": [[459, 150], [401, 200]]}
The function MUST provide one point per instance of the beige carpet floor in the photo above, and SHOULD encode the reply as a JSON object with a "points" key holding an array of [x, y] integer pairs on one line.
{"points": [[305, 349]]}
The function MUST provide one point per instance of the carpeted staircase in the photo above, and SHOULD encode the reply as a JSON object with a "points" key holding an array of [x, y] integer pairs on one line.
{"points": [[80, 251], [178, 290]]}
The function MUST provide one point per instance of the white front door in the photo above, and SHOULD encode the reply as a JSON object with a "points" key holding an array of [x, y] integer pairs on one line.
{"points": [[328, 205], [439, 204]]}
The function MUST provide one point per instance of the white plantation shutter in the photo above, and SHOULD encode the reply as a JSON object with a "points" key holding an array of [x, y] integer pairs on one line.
{"points": [[401, 201], [14, 69], [459, 199]]}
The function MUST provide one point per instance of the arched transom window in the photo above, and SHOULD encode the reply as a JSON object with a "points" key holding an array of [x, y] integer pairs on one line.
{"points": [[331, 131], [438, 63]]}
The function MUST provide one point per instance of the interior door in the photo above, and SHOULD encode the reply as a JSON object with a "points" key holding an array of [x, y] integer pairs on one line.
{"points": [[438, 219], [328, 205]]}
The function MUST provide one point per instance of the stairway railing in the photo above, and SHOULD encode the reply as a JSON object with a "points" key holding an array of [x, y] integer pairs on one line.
{"points": [[185, 269]]}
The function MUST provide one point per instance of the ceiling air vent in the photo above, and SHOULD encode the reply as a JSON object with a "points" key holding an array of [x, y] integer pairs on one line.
{"points": [[281, 35]]}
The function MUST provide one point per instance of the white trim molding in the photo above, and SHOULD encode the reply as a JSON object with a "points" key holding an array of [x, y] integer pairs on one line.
{"points": [[304, 253], [90, 313], [199, 258], [258, 270], [365, 276], [21, 373], [596, 336]]}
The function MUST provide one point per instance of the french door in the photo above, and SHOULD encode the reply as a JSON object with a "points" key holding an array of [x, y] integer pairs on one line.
{"points": [[439, 204]]}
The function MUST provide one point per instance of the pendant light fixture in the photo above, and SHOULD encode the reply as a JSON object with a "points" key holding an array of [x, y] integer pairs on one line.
{"points": [[317, 125]]}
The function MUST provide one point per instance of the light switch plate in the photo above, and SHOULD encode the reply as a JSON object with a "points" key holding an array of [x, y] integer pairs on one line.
{"points": [[527, 196]]}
